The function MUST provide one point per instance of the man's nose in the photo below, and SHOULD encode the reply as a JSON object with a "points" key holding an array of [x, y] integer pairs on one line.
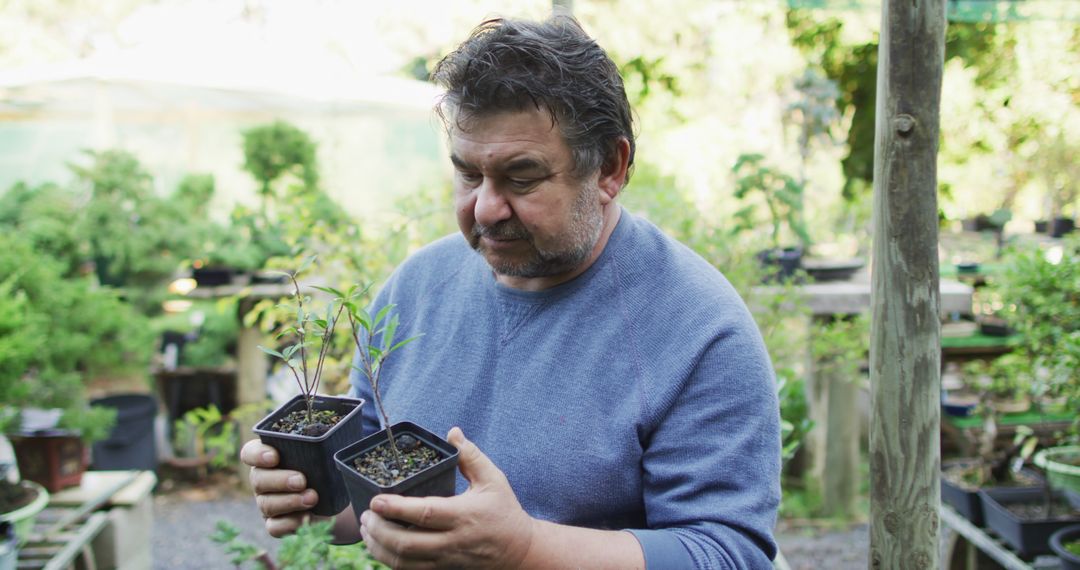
{"points": [[491, 206]]}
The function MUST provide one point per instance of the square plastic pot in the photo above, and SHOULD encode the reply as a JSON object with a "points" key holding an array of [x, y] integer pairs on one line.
{"points": [[435, 481], [314, 456], [968, 503], [1027, 537]]}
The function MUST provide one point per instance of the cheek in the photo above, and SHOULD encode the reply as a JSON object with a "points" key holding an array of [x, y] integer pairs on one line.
{"points": [[464, 210]]}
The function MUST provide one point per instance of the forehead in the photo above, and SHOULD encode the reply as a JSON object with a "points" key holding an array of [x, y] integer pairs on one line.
{"points": [[505, 135]]}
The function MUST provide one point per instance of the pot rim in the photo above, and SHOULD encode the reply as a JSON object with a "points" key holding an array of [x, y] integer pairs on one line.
{"points": [[27, 511]]}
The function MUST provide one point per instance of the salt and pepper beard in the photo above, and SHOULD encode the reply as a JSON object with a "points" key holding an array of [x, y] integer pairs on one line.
{"points": [[586, 224]]}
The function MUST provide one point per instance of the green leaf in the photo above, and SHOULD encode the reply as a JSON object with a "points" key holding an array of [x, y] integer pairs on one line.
{"points": [[381, 315], [330, 290], [305, 264], [272, 352], [403, 343]]}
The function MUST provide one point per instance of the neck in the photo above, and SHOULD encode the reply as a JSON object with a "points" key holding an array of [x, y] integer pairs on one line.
{"points": [[611, 212]]}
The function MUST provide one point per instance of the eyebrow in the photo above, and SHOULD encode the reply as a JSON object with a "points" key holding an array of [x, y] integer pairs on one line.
{"points": [[523, 164]]}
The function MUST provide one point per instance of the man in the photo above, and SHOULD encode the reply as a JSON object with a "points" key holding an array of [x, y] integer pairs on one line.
{"points": [[617, 393]]}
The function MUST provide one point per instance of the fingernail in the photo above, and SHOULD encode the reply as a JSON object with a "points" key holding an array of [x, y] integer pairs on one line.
{"points": [[377, 503], [296, 482], [268, 456], [364, 517], [309, 499]]}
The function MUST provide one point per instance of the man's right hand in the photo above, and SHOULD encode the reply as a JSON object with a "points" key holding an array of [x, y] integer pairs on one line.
{"points": [[282, 495]]}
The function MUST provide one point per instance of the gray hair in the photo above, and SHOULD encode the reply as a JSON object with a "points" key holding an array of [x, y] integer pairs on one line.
{"points": [[506, 65]]}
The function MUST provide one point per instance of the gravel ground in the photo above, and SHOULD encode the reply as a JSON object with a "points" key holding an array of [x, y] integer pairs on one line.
{"points": [[185, 519]]}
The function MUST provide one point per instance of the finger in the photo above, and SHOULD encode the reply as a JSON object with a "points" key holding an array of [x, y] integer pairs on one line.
{"points": [[434, 513], [257, 454], [275, 505], [276, 481], [397, 546], [282, 526], [476, 467]]}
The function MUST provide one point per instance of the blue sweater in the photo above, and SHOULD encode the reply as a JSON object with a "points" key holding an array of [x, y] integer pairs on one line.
{"points": [[637, 396]]}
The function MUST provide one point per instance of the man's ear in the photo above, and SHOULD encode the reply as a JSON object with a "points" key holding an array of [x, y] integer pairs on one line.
{"points": [[613, 172]]}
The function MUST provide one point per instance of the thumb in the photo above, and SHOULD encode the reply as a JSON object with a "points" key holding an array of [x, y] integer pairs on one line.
{"points": [[474, 465]]}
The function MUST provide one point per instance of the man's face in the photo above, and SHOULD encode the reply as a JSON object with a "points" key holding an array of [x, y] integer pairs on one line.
{"points": [[517, 199]]}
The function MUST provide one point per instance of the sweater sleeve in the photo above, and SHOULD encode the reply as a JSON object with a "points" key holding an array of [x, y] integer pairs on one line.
{"points": [[711, 465]]}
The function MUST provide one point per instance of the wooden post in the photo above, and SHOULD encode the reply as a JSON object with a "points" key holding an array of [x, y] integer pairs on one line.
{"points": [[251, 370], [905, 349]]}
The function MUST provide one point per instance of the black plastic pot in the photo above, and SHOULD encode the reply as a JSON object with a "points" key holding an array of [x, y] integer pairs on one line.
{"points": [[314, 456], [780, 264], [1027, 537], [967, 502], [435, 481], [131, 444], [1069, 560], [213, 276], [1061, 226]]}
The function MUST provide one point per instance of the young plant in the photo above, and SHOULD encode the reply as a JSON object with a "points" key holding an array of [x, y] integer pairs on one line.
{"points": [[372, 357], [312, 332]]}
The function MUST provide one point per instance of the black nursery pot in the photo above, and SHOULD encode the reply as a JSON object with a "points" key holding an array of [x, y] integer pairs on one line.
{"points": [[1028, 537], [968, 504], [314, 456], [435, 481], [1059, 539]]}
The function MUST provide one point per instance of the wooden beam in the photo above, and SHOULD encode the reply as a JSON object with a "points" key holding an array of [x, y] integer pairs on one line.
{"points": [[905, 350]]}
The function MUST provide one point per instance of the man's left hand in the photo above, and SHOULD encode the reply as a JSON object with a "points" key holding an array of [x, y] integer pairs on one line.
{"points": [[485, 527]]}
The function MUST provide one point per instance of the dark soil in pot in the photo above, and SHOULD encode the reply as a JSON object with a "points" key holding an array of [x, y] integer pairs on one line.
{"points": [[432, 474], [383, 467], [300, 423], [1059, 507], [14, 496]]}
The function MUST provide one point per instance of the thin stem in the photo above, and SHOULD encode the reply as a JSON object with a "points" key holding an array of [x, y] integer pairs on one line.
{"points": [[373, 380], [328, 336], [303, 351]]}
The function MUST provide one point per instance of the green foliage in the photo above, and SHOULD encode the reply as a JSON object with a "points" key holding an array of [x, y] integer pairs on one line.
{"points": [[43, 216], [783, 196], [205, 433], [60, 330], [214, 337], [840, 346], [986, 47], [1041, 292], [92, 423], [309, 548], [135, 236], [277, 149]]}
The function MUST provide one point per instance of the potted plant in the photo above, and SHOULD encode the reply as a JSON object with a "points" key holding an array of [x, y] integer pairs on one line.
{"points": [[403, 458], [1062, 466], [783, 197], [1066, 545], [961, 479], [308, 429], [20, 500], [1026, 518], [52, 446]]}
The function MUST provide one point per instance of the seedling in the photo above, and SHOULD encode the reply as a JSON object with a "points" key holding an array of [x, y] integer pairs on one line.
{"points": [[313, 334], [371, 357]]}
